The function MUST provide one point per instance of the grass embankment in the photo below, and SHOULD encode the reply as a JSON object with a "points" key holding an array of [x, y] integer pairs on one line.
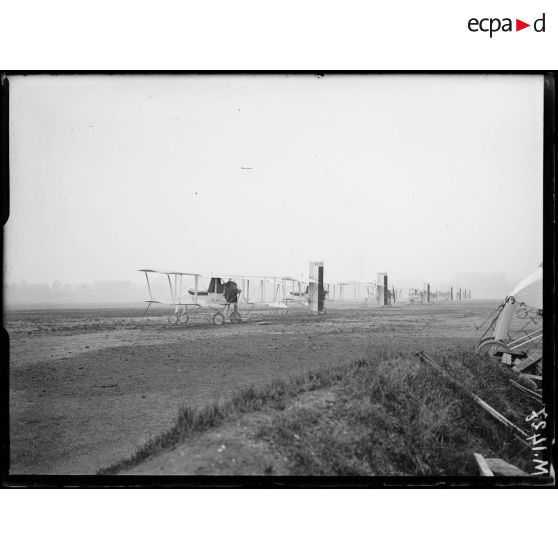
{"points": [[384, 415]]}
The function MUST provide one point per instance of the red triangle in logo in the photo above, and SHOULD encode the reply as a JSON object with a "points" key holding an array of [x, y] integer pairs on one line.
{"points": [[519, 25]]}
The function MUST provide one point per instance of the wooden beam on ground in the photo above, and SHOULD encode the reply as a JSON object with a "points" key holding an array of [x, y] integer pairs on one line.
{"points": [[532, 377], [519, 434], [485, 470], [499, 351], [528, 392], [502, 468], [529, 361]]}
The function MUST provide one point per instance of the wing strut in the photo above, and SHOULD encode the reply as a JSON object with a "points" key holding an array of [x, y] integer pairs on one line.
{"points": [[148, 286]]}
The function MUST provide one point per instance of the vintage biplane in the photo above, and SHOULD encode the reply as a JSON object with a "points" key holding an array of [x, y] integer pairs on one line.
{"points": [[415, 296], [223, 294], [369, 292], [515, 331], [351, 291]]}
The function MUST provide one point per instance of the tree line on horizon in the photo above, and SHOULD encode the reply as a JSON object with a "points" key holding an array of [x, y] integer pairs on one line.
{"points": [[58, 292]]}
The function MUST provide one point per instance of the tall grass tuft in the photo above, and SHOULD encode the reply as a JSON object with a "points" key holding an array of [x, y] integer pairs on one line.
{"points": [[401, 417]]}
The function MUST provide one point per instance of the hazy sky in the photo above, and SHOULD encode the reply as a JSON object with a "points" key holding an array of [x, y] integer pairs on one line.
{"points": [[420, 176]]}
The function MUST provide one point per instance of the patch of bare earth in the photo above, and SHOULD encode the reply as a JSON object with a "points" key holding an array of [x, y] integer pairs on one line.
{"points": [[88, 387]]}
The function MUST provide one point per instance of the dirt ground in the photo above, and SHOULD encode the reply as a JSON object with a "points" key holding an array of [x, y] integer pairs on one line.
{"points": [[87, 387]]}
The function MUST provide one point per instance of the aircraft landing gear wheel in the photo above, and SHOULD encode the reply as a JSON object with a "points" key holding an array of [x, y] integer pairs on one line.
{"points": [[218, 319], [236, 317], [490, 347], [173, 319], [184, 318]]}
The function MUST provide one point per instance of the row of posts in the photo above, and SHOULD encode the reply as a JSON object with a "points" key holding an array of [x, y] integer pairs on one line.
{"points": [[460, 294], [386, 296]]}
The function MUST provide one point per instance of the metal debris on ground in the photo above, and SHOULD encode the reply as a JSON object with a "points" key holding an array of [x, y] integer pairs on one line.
{"points": [[520, 434]]}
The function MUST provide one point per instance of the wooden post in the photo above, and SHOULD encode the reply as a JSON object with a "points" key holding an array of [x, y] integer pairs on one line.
{"points": [[427, 292], [386, 293], [382, 289], [315, 285], [320, 288]]}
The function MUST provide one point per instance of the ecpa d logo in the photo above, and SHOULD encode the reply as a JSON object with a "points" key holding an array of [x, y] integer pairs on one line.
{"points": [[493, 25]]}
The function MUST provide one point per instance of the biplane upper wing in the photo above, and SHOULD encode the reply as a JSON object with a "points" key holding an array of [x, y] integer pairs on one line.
{"points": [[169, 272]]}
